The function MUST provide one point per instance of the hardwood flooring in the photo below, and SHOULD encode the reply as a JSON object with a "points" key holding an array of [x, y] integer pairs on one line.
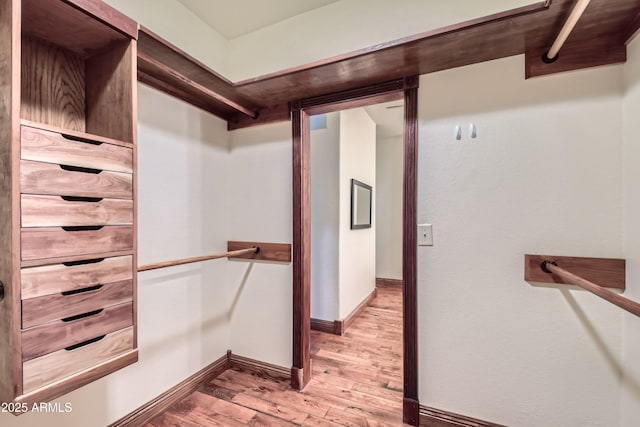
{"points": [[357, 381]]}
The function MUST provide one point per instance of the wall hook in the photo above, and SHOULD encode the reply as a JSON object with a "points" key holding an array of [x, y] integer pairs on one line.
{"points": [[458, 133], [472, 131]]}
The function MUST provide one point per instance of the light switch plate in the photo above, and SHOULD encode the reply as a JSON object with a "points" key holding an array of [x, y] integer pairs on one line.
{"points": [[425, 235]]}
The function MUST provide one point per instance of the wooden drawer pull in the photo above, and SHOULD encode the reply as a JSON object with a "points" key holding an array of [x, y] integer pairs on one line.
{"points": [[80, 169], [82, 316], [85, 343], [79, 139], [83, 262], [82, 291], [82, 228], [81, 199]]}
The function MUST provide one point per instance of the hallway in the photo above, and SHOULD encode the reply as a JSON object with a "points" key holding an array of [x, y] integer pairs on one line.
{"points": [[357, 381]]}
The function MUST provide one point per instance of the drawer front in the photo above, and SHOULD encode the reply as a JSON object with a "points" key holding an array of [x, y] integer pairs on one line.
{"points": [[55, 242], [51, 211], [55, 366], [49, 308], [51, 147], [60, 180], [54, 279], [72, 331]]}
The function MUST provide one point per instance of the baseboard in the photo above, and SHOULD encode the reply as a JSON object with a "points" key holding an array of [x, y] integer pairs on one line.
{"points": [[431, 417], [381, 282], [347, 321], [411, 411], [261, 368], [160, 404], [328, 326]]}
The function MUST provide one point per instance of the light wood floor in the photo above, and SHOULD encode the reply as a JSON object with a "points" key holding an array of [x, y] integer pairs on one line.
{"points": [[357, 381]]}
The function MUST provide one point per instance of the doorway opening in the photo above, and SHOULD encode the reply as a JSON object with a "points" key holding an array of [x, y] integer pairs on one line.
{"points": [[403, 89]]}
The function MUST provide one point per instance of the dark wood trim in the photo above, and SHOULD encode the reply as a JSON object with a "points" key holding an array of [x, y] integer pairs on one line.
{"points": [[274, 252], [347, 321], [632, 30], [271, 114], [160, 404], [382, 282], [409, 256], [268, 370], [606, 272], [327, 326], [301, 370], [431, 417], [107, 15]]}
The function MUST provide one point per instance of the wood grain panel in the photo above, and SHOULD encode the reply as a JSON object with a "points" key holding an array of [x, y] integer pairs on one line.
{"points": [[63, 363], [54, 242], [53, 82], [68, 26], [60, 334], [275, 252], [326, 326], [37, 311], [54, 211], [606, 272], [432, 417], [52, 279], [83, 151], [51, 179], [10, 365], [110, 83]]}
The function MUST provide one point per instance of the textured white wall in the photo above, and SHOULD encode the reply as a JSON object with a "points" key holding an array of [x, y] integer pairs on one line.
{"points": [[631, 213], [357, 275], [543, 176], [260, 197], [325, 219], [389, 175]]}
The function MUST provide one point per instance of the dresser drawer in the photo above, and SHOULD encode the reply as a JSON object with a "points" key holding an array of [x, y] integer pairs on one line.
{"points": [[61, 180], [70, 331], [51, 147], [55, 366], [51, 211], [55, 242], [57, 278], [49, 308]]}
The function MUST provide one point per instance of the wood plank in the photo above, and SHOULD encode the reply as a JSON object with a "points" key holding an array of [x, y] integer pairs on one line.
{"points": [[51, 179], [54, 211], [53, 81], [606, 272], [110, 90], [63, 363], [10, 361], [54, 242], [382, 282], [275, 252], [102, 12], [81, 150], [57, 278], [327, 326], [433, 417], [37, 311]]}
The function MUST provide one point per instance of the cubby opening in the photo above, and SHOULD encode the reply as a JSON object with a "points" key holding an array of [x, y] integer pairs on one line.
{"points": [[77, 73]]}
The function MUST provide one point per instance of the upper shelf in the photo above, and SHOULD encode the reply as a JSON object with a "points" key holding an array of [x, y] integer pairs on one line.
{"points": [[598, 39]]}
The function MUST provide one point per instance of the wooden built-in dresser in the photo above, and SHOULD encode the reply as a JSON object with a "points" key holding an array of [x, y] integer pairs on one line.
{"points": [[67, 196]]}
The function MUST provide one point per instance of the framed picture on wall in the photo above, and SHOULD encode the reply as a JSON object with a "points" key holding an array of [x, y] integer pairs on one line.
{"points": [[361, 197]]}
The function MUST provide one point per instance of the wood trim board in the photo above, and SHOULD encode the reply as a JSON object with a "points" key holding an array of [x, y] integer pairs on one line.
{"points": [[274, 252], [606, 272], [432, 417], [382, 282], [338, 327]]}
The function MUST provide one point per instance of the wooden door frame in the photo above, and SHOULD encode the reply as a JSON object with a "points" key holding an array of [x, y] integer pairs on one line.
{"points": [[301, 110]]}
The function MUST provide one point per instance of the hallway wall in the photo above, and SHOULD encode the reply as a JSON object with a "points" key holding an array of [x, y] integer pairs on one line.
{"points": [[544, 177]]}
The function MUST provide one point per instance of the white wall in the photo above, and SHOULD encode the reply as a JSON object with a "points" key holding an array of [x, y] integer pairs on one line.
{"points": [[543, 176], [260, 209], [357, 248], [325, 219], [181, 27], [631, 213], [182, 311], [389, 176], [330, 31]]}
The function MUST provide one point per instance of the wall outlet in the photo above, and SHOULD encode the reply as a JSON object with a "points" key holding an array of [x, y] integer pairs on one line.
{"points": [[425, 235]]}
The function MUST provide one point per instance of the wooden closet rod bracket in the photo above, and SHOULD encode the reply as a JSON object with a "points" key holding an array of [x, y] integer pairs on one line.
{"points": [[551, 267], [552, 55]]}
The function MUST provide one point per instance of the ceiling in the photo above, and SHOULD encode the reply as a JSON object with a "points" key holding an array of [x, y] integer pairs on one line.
{"points": [[222, 15], [389, 118]]}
